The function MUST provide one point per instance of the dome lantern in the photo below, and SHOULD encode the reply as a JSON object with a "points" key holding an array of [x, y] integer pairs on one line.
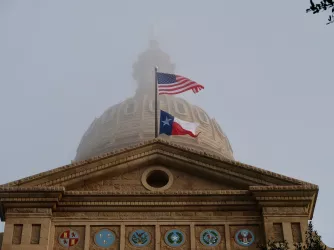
{"points": [[143, 68]]}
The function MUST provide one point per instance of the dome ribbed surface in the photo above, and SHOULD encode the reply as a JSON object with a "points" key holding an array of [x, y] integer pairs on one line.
{"points": [[132, 121]]}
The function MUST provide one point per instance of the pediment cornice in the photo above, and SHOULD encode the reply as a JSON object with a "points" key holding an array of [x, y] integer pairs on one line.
{"points": [[159, 150]]}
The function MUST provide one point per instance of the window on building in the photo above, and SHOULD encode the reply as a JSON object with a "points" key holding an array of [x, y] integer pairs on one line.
{"points": [[17, 234], [130, 108], [278, 232], [35, 234], [296, 232]]}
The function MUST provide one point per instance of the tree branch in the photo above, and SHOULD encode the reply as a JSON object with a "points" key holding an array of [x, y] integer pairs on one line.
{"points": [[324, 5]]}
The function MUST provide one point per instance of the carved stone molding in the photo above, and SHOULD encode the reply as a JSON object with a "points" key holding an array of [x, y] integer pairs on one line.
{"points": [[284, 188], [283, 198], [32, 189], [182, 215], [159, 193], [284, 211], [154, 203], [30, 210], [21, 199]]}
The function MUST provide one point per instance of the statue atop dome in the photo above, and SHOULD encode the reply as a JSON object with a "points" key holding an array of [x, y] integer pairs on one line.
{"points": [[143, 68]]}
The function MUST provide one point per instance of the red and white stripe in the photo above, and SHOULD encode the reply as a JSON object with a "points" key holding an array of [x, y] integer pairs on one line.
{"points": [[181, 127], [181, 85]]}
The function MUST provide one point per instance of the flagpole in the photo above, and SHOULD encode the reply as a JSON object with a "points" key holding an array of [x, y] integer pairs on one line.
{"points": [[156, 100]]}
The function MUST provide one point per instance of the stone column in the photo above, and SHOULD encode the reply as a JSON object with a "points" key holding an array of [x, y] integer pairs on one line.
{"points": [[287, 233], [122, 237], [192, 236], [87, 237], [157, 237], [227, 237], [8, 236]]}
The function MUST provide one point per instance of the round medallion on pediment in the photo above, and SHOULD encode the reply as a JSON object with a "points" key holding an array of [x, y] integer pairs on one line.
{"points": [[68, 238], [210, 237], [244, 237], [174, 238], [104, 238], [140, 238]]}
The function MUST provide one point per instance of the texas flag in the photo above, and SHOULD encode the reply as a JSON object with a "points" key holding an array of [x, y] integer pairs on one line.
{"points": [[171, 125]]}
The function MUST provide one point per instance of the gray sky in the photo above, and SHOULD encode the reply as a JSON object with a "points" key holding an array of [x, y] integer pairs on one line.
{"points": [[266, 65]]}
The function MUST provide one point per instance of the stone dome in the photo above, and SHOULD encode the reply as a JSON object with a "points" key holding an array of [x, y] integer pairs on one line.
{"points": [[132, 121]]}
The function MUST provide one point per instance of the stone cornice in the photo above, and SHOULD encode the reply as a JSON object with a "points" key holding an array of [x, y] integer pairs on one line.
{"points": [[286, 196], [130, 153], [285, 211], [61, 200], [154, 203], [30, 210], [162, 193], [149, 216], [311, 187], [5, 189], [23, 199], [282, 198]]}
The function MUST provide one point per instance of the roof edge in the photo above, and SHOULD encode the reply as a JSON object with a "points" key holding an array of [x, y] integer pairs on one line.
{"points": [[147, 143]]}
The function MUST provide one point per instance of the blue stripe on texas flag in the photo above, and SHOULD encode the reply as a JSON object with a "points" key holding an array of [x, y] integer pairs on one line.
{"points": [[166, 123]]}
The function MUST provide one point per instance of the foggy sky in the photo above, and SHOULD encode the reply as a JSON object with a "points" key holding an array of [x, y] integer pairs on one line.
{"points": [[266, 67]]}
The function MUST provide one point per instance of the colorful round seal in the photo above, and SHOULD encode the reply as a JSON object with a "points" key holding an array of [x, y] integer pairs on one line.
{"points": [[174, 238], [210, 237], [244, 237], [68, 238], [104, 238], [140, 238]]}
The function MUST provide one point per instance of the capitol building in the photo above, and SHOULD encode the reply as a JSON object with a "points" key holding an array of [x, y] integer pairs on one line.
{"points": [[126, 189]]}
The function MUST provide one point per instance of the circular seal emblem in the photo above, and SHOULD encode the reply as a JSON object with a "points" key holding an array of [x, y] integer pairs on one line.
{"points": [[174, 238], [68, 238], [140, 238], [244, 237], [210, 237], [104, 238]]}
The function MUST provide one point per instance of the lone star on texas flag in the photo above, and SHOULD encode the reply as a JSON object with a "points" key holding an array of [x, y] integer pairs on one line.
{"points": [[166, 122]]}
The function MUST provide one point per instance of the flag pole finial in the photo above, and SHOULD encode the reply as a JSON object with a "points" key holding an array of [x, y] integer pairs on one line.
{"points": [[156, 100]]}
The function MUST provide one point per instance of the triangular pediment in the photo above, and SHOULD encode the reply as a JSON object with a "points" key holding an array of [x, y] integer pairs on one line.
{"points": [[203, 167], [143, 178], [119, 180]]}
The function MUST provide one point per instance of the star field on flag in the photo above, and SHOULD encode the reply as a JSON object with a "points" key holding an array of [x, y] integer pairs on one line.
{"points": [[170, 84]]}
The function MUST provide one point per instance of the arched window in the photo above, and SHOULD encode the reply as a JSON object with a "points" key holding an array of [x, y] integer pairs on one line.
{"points": [[130, 107], [151, 105], [202, 116], [180, 107]]}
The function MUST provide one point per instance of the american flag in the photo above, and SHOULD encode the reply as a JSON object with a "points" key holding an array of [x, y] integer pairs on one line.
{"points": [[170, 84]]}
